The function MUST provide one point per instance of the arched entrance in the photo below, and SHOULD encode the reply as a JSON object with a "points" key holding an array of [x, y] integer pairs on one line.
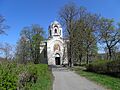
{"points": [[57, 59]]}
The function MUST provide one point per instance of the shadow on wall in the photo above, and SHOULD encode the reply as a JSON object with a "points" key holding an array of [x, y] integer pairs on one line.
{"points": [[43, 55]]}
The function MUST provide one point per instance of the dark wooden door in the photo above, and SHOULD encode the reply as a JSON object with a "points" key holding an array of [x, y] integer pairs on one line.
{"points": [[57, 60]]}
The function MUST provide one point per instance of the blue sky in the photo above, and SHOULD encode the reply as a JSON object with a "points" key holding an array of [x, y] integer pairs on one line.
{"points": [[21, 13]]}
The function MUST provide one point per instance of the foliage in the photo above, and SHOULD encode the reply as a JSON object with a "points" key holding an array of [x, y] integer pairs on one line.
{"points": [[21, 77], [110, 36], [36, 48], [107, 81], [7, 50], [105, 67], [44, 81], [28, 48], [85, 30], [81, 27], [67, 16], [8, 78], [3, 27]]}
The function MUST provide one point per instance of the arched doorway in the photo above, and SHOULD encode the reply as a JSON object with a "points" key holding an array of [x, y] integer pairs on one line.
{"points": [[57, 59]]}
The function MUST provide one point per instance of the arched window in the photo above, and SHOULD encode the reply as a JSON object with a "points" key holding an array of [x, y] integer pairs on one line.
{"points": [[55, 30]]}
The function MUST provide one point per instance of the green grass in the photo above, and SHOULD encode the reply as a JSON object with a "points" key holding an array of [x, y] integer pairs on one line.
{"points": [[44, 81], [104, 80]]}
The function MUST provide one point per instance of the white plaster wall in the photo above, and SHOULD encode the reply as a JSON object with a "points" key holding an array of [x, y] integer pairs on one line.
{"points": [[50, 49]]}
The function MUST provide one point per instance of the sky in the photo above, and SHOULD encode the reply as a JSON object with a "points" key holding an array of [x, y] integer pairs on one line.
{"points": [[21, 13]]}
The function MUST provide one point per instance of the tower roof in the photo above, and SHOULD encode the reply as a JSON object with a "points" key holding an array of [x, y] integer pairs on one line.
{"points": [[55, 29], [55, 22]]}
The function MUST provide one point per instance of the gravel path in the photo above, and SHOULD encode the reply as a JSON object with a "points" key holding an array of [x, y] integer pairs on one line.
{"points": [[68, 80]]}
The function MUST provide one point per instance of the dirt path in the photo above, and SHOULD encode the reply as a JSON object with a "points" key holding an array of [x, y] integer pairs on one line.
{"points": [[68, 80]]}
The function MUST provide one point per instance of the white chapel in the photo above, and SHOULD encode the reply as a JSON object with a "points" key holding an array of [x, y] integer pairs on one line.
{"points": [[54, 49]]}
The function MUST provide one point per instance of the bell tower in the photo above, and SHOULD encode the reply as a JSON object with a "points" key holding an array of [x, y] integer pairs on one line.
{"points": [[55, 30]]}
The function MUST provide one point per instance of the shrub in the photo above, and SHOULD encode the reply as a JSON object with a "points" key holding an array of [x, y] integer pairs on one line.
{"points": [[105, 67], [15, 76], [8, 76]]}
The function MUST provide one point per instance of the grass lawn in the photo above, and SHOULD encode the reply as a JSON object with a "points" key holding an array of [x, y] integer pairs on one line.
{"points": [[104, 80]]}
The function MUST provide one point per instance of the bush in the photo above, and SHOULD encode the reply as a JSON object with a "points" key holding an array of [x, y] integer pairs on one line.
{"points": [[8, 76], [105, 67], [15, 76]]}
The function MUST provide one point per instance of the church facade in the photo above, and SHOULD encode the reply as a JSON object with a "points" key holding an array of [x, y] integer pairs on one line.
{"points": [[55, 47]]}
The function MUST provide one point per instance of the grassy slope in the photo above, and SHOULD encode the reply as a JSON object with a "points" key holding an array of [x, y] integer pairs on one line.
{"points": [[44, 81], [104, 80]]}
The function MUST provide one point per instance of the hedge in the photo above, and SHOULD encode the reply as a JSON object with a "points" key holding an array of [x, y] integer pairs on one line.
{"points": [[105, 67]]}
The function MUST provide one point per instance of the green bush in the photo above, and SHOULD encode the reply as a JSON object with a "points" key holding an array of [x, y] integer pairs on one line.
{"points": [[105, 67], [8, 76], [24, 77]]}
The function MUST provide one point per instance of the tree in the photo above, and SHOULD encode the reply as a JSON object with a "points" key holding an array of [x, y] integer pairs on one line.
{"points": [[37, 39], [88, 28], [2, 26], [22, 50], [110, 35], [77, 46], [67, 16], [82, 28], [28, 47], [6, 49]]}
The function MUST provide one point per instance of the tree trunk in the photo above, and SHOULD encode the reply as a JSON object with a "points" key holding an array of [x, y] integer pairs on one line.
{"points": [[80, 58], [87, 62], [110, 53], [87, 56], [70, 60]]}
